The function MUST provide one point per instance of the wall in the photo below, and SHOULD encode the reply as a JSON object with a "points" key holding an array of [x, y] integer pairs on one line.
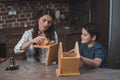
{"points": [[25, 12], [80, 9]]}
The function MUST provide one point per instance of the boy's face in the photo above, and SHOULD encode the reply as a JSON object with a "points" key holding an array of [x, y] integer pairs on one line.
{"points": [[85, 37]]}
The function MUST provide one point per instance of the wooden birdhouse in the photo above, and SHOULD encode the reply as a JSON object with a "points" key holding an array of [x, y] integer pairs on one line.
{"points": [[52, 53], [68, 62]]}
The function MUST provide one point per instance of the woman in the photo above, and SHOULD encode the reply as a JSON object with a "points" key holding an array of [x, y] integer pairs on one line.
{"points": [[44, 29]]}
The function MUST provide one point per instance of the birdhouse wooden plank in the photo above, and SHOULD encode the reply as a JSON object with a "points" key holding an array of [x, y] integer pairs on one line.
{"points": [[52, 52], [68, 62]]}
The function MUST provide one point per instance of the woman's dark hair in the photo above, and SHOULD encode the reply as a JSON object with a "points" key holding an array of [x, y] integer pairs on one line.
{"points": [[92, 29], [50, 31]]}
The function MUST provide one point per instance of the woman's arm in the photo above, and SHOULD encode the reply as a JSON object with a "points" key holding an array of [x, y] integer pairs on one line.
{"points": [[25, 45], [26, 41], [38, 40], [25, 37]]}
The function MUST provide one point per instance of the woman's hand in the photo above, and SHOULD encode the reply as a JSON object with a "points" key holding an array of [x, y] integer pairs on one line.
{"points": [[38, 40], [52, 42]]}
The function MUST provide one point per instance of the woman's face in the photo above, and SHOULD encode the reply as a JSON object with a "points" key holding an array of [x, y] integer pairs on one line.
{"points": [[44, 22], [85, 37]]}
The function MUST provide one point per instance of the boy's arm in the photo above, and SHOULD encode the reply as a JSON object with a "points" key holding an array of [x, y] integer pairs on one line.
{"points": [[91, 62]]}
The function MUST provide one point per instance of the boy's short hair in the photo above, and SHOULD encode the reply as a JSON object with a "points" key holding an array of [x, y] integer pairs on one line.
{"points": [[92, 29]]}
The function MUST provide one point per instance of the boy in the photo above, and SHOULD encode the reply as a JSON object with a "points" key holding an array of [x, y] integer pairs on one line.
{"points": [[92, 53]]}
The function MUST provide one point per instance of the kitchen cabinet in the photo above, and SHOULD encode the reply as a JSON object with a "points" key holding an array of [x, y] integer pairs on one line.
{"points": [[2, 47], [11, 36]]}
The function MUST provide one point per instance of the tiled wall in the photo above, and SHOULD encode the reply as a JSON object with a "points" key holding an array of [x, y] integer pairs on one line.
{"points": [[25, 12]]}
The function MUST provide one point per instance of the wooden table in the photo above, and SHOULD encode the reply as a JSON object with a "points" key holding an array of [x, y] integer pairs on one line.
{"points": [[37, 71]]}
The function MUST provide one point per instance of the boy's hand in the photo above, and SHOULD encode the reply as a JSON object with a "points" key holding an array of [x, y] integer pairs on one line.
{"points": [[72, 50]]}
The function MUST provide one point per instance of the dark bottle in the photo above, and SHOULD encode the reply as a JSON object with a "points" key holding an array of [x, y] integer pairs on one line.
{"points": [[12, 62]]}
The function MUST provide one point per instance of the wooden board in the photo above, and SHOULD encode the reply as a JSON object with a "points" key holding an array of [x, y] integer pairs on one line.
{"points": [[52, 52], [68, 65]]}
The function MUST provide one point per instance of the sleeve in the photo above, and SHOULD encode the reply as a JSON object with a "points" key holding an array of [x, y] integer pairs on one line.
{"points": [[99, 53], [24, 38], [81, 49], [56, 37]]}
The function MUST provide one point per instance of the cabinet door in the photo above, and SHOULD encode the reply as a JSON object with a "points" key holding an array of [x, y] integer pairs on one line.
{"points": [[72, 38], [10, 44], [68, 40], [100, 16], [63, 38], [2, 49]]}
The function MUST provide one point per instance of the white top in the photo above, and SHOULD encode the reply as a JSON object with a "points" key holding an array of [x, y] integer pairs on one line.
{"points": [[30, 50]]}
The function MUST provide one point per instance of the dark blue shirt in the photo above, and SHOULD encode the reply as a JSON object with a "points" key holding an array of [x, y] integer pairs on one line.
{"points": [[97, 51]]}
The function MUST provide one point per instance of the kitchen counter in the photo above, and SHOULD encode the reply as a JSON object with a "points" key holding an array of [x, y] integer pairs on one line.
{"points": [[37, 71], [68, 30]]}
